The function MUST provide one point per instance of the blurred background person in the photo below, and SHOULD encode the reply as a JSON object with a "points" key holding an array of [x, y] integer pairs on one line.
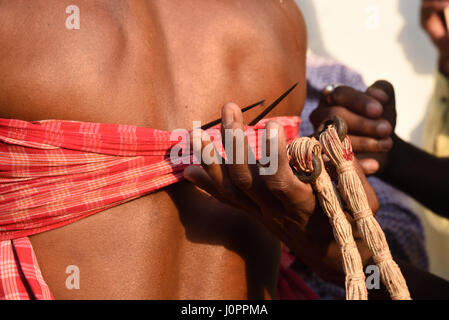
{"points": [[384, 39], [437, 129], [402, 227]]}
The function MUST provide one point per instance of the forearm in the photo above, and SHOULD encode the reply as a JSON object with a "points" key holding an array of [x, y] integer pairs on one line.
{"points": [[419, 174]]}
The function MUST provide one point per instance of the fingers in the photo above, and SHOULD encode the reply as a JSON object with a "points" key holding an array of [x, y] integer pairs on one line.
{"points": [[434, 5], [369, 166], [378, 93], [211, 160], [357, 124], [370, 145], [362, 111], [199, 177], [219, 183], [283, 183], [384, 92], [235, 181], [370, 124], [241, 163], [432, 19], [355, 101], [236, 148], [273, 197]]}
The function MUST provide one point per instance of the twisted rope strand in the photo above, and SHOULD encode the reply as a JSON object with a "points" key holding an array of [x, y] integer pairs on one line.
{"points": [[352, 192], [301, 152]]}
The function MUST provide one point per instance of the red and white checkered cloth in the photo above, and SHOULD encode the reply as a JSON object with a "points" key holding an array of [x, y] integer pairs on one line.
{"points": [[53, 173]]}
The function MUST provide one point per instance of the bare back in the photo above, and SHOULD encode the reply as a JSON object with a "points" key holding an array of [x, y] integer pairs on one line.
{"points": [[160, 64]]}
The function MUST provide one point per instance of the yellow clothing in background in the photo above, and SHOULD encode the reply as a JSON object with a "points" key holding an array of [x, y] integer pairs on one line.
{"points": [[437, 142]]}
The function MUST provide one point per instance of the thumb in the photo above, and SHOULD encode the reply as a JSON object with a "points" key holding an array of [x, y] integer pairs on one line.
{"points": [[383, 91], [369, 166]]}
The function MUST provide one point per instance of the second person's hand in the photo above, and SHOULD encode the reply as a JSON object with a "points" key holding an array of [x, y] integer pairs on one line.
{"points": [[280, 201]]}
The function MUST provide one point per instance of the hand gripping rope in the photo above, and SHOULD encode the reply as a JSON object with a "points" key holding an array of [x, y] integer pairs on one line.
{"points": [[306, 160]]}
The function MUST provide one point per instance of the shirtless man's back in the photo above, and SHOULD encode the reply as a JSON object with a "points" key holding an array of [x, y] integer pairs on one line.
{"points": [[160, 64]]}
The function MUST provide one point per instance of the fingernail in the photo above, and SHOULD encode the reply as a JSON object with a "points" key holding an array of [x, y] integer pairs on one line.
{"points": [[378, 94], [370, 166], [374, 109], [384, 129], [228, 117], [386, 144]]}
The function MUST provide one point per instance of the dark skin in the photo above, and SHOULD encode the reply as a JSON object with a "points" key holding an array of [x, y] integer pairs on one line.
{"points": [[433, 22], [407, 168], [371, 119], [159, 64], [420, 174], [281, 202], [164, 64]]}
